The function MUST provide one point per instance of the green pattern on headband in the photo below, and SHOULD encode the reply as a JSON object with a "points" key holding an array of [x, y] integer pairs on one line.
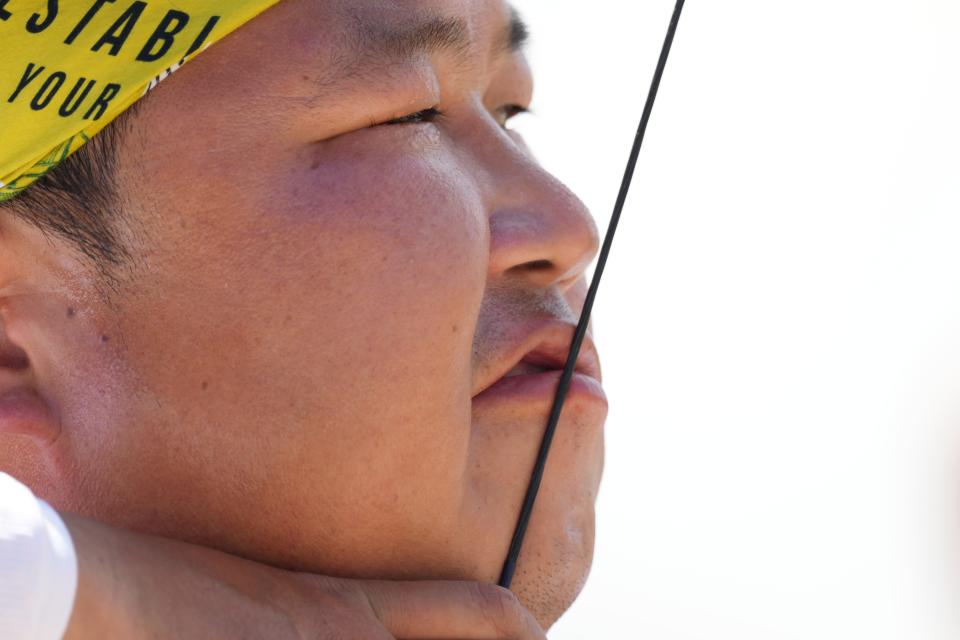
{"points": [[43, 167]]}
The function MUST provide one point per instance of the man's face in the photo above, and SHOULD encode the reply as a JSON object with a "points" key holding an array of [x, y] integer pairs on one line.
{"points": [[309, 368]]}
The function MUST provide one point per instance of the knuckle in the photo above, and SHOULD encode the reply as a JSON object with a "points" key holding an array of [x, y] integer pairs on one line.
{"points": [[500, 607], [336, 598], [340, 609]]}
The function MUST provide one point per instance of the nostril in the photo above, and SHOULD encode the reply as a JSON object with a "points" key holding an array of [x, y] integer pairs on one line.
{"points": [[534, 265]]}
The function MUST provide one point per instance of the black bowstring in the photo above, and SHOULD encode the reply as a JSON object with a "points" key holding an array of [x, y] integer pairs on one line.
{"points": [[510, 564]]}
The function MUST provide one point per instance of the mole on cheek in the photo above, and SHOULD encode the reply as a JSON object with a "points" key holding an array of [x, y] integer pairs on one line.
{"points": [[204, 385], [104, 338], [71, 312]]}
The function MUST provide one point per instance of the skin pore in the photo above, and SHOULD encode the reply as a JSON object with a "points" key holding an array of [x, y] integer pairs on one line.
{"points": [[339, 246]]}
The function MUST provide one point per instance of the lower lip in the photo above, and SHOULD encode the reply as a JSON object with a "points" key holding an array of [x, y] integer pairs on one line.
{"points": [[538, 386]]}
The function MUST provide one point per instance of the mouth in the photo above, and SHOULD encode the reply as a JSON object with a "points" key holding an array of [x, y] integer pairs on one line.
{"points": [[532, 368], [541, 387]]}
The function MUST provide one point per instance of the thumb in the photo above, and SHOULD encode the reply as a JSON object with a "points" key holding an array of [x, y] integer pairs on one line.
{"points": [[435, 610]]}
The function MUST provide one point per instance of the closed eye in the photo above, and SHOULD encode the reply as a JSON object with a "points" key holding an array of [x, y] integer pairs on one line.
{"points": [[503, 115], [424, 115]]}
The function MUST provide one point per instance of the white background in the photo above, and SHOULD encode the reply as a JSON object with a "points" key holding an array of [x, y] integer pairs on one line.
{"points": [[780, 319]]}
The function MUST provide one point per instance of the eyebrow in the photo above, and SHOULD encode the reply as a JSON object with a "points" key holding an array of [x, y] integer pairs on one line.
{"points": [[373, 48], [518, 34], [431, 34]]}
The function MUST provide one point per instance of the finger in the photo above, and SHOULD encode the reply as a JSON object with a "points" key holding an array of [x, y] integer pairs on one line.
{"points": [[435, 610]]}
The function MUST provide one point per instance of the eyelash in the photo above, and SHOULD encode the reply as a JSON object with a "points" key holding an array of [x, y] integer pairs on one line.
{"points": [[433, 115], [424, 115]]}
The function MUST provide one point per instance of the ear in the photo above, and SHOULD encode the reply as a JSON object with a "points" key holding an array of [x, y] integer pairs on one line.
{"points": [[24, 411]]}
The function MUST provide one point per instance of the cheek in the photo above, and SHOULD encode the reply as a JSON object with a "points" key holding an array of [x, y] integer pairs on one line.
{"points": [[317, 308], [391, 252], [412, 216], [382, 251]]}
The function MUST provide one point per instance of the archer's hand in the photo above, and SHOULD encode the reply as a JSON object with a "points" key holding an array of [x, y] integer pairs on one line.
{"points": [[137, 586], [426, 610]]}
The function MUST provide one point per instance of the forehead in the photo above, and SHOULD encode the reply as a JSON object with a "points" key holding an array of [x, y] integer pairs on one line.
{"points": [[370, 31], [401, 26], [332, 56], [318, 68]]}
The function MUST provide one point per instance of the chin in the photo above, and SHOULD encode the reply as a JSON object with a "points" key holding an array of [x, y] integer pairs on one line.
{"points": [[550, 576]]}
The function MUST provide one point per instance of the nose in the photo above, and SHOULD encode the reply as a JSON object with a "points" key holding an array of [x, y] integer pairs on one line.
{"points": [[539, 230]]}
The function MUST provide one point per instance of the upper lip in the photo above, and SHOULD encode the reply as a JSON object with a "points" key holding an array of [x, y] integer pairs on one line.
{"points": [[547, 347]]}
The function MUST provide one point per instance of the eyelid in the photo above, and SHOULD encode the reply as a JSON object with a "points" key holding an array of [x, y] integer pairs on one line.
{"points": [[431, 114]]}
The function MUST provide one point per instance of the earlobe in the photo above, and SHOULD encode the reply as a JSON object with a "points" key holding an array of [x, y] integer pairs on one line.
{"points": [[24, 412]]}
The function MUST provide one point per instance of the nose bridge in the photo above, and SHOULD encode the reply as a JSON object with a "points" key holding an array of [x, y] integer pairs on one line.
{"points": [[539, 229]]}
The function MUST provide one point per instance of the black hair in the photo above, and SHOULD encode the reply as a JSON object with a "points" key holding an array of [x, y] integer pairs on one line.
{"points": [[78, 201]]}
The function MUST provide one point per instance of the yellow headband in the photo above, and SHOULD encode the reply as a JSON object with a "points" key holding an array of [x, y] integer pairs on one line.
{"points": [[67, 69]]}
